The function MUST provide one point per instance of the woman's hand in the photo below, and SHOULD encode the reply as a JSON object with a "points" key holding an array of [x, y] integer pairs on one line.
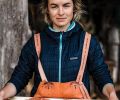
{"points": [[113, 96], [109, 92], [9, 90], [1, 95]]}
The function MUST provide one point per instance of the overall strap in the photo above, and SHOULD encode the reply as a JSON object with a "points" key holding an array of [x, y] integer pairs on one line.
{"points": [[84, 57], [38, 50]]}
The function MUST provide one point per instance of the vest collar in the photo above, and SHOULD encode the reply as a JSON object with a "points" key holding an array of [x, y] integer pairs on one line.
{"points": [[71, 26]]}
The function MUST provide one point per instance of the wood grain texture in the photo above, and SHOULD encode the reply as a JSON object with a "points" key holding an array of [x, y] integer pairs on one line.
{"points": [[14, 32]]}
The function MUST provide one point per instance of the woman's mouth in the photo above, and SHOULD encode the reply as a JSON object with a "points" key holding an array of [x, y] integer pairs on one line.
{"points": [[61, 19]]}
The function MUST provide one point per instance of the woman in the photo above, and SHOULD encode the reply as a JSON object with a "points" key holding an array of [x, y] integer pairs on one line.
{"points": [[62, 42]]}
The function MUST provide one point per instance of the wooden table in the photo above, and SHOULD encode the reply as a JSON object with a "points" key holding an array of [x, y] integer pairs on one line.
{"points": [[30, 98]]}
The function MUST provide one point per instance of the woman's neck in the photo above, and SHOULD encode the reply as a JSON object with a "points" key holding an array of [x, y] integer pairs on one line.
{"points": [[61, 28]]}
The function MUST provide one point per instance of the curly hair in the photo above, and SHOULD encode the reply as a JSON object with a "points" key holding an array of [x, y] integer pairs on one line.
{"points": [[77, 10]]}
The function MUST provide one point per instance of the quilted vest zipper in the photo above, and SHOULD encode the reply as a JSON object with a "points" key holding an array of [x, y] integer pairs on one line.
{"points": [[60, 56]]}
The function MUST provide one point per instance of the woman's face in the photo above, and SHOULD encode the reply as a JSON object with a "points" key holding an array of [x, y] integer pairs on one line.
{"points": [[60, 13]]}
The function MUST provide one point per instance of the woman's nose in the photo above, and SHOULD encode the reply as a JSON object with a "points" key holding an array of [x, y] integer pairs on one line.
{"points": [[61, 11]]}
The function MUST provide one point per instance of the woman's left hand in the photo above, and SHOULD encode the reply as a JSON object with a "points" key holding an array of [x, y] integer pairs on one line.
{"points": [[113, 96]]}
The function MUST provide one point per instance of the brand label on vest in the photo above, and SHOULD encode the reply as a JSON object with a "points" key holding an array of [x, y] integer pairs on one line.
{"points": [[73, 58]]}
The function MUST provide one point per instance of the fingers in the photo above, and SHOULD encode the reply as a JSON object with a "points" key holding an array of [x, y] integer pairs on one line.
{"points": [[1, 95]]}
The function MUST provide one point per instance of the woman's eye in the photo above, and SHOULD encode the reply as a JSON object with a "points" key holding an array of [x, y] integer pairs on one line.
{"points": [[54, 7], [67, 6]]}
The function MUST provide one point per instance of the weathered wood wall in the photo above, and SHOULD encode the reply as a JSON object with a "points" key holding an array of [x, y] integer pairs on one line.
{"points": [[14, 31]]}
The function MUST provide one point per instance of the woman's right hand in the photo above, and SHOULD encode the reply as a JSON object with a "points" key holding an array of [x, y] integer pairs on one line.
{"points": [[1, 95], [9, 90]]}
